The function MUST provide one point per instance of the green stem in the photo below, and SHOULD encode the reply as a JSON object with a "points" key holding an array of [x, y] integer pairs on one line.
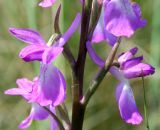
{"points": [[145, 106], [100, 76]]}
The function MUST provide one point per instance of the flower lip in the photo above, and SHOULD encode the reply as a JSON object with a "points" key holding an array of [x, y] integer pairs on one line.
{"points": [[127, 105]]}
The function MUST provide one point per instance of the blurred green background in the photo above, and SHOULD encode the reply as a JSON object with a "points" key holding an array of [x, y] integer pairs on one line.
{"points": [[102, 112]]}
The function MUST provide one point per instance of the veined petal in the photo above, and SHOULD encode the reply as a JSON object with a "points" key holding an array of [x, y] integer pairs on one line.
{"points": [[138, 70], [127, 105], [122, 18], [32, 52], [47, 3], [50, 54], [65, 37], [27, 35], [52, 88]]}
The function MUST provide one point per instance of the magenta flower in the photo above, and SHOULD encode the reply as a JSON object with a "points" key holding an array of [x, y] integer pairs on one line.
{"points": [[122, 18], [49, 89], [26, 90], [37, 48], [130, 66], [124, 95], [47, 3]]}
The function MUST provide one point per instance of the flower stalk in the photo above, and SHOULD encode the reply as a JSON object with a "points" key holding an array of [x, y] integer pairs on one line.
{"points": [[101, 74]]}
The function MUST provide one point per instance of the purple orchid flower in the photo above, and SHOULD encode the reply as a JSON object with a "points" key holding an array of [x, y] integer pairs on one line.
{"points": [[47, 3], [27, 90], [48, 89], [124, 95], [118, 18], [130, 66], [122, 18], [52, 86], [37, 48], [133, 67]]}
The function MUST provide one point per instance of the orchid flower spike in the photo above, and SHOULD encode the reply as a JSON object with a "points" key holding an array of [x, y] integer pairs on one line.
{"points": [[37, 48]]}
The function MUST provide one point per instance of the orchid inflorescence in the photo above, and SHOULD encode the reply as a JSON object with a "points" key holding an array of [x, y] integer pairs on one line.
{"points": [[100, 20]]}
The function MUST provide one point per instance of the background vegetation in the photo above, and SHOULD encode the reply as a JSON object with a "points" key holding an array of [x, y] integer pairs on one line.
{"points": [[102, 112]]}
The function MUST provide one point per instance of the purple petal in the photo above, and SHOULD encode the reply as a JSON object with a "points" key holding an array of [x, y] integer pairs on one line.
{"points": [[27, 35], [139, 70], [32, 52], [65, 37], [131, 62], [127, 55], [127, 104], [52, 88], [25, 88], [47, 3], [39, 113], [50, 54], [95, 58], [100, 33], [122, 18], [16, 91]]}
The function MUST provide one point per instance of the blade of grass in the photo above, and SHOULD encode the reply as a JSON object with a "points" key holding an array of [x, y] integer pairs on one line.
{"points": [[154, 49]]}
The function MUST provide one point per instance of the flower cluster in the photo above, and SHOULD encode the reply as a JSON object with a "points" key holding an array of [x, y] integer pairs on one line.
{"points": [[49, 88], [118, 18]]}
